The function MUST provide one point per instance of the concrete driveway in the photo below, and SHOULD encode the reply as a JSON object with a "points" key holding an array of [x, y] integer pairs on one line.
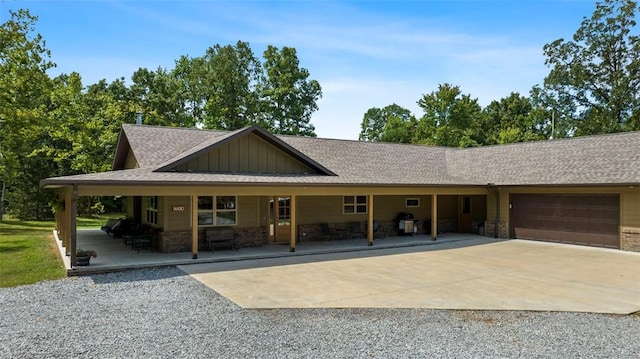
{"points": [[476, 274]]}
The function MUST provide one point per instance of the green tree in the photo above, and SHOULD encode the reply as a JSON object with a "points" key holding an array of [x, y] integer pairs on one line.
{"points": [[190, 75], [511, 119], [161, 98], [596, 76], [399, 129], [375, 124], [24, 88], [232, 77], [450, 118], [288, 94]]}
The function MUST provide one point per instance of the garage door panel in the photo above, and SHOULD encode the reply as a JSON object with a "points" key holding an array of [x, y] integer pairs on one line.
{"points": [[569, 218]]}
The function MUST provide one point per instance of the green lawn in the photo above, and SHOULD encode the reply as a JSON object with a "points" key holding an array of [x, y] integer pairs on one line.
{"points": [[28, 252]]}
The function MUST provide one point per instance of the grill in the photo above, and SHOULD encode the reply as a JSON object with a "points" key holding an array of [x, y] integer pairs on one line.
{"points": [[407, 224]]}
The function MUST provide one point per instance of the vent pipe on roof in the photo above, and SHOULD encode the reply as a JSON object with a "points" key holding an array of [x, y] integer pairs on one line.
{"points": [[138, 118]]}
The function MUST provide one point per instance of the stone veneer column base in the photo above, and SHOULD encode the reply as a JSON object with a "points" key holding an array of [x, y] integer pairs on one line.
{"points": [[180, 241], [490, 229], [630, 239]]}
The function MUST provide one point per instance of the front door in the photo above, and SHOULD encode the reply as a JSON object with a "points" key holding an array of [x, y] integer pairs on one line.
{"points": [[280, 219], [464, 214]]}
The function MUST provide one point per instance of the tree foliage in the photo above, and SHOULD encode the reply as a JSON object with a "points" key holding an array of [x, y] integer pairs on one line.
{"points": [[595, 77], [288, 94], [512, 119], [452, 118], [24, 90], [58, 126], [232, 77], [449, 118], [390, 124]]}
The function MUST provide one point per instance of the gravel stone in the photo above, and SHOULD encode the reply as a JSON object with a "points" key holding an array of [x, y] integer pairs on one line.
{"points": [[164, 313]]}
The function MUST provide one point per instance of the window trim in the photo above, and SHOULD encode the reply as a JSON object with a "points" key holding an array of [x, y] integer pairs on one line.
{"points": [[406, 202], [152, 209], [353, 202], [214, 211]]}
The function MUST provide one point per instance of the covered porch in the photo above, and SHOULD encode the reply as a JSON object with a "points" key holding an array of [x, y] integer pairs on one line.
{"points": [[268, 223], [114, 255]]}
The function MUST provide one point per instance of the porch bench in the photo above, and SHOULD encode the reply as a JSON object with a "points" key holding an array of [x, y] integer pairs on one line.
{"points": [[221, 237]]}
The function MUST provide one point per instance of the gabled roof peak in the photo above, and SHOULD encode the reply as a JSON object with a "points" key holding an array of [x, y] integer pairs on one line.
{"points": [[227, 137]]}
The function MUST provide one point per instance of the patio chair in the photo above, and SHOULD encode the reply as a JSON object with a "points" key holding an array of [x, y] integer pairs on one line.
{"points": [[123, 227], [378, 230], [326, 233], [110, 225], [355, 230], [142, 242]]}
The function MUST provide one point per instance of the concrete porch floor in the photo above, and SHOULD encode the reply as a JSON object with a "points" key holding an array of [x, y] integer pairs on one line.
{"points": [[113, 255]]}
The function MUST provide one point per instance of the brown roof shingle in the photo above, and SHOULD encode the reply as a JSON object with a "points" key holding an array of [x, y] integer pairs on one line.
{"points": [[595, 160]]}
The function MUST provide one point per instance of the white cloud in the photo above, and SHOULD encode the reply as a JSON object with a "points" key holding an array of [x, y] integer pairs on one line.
{"points": [[345, 101]]}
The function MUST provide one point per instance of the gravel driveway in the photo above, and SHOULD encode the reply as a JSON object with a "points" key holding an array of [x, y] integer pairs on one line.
{"points": [[163, 313]]}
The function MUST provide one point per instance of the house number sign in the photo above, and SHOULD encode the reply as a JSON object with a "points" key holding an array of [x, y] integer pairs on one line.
{"points": [[177, 208]]}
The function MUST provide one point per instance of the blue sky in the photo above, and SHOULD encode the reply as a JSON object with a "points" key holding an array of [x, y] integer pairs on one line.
{"points": [[364, 53]]}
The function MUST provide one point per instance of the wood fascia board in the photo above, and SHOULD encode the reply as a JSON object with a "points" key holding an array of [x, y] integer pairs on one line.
{"points": [[265, 190], [593, 189]]}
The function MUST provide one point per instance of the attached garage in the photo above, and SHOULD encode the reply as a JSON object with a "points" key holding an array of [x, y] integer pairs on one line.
{"points": [[586, 219]]}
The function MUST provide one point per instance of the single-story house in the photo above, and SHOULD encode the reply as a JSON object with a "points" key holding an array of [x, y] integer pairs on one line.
{"points": [[285, 189]]}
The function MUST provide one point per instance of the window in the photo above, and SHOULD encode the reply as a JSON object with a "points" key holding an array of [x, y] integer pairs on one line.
{"points": [[354, 204], [466, 205], [412, 202], [152, 210], [223, 213]]}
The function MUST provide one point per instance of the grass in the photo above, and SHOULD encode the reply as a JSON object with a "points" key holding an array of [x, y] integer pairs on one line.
{"points": [[96, 221], [28, 252]]}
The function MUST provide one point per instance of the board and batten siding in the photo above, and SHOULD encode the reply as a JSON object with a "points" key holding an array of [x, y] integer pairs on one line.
{"points": [[386, 208], [630, 211], [248, 212], [249, 154], [130, 162], [329, 209], [176, 220], [324, 209]]}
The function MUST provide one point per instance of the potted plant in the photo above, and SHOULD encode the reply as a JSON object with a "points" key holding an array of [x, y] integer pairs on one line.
{"points": [[83, 256]]}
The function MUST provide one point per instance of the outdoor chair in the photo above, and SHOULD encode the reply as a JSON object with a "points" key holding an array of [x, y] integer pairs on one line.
{"points": [[355, 230], [378, 230], [142, 242], [326, 233], [110, 225]]}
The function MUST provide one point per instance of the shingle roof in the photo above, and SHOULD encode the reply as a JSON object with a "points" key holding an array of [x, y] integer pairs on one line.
{"points": [[594, 160], [603, 159], [154, 145]]}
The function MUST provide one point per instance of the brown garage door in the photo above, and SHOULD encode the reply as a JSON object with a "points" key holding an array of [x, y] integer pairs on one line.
{"points": [[579, 219]]}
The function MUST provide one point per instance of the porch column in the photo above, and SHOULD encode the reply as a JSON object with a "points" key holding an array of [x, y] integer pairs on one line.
{"points": [[72, 223], [194, 227], [66, 233], [294, 226], [370, 233], [434, 217]]}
